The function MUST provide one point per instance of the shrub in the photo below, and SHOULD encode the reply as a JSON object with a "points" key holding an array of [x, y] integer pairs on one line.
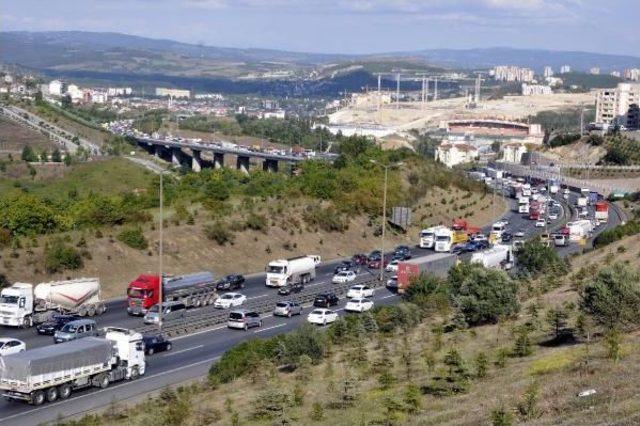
{"points": [[58, 256], [219, 233], [257, 222], [134, 238], [535, 258], [327, 218]]}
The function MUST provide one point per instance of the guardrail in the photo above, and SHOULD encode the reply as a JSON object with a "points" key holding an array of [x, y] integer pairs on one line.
{"points": [[209, 316]]}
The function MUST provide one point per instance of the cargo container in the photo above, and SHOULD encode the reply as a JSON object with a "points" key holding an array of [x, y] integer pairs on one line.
{"points": [[602, 211], [435, 264], [23, 305], [579, 229], [48, 373], [197, 289], [498, 256]]}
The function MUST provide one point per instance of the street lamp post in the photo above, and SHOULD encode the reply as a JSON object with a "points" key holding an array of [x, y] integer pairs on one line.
{"points": [[160, 252], [384, 209]]}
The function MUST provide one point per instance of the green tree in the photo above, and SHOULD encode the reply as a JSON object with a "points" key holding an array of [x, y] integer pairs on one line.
{"points": [[56, 156], [58, 256], [483, 295], [482, 365], [557, 319], [535, 258], [612, 296], [134, 238], [28, 155], [501, 416]]}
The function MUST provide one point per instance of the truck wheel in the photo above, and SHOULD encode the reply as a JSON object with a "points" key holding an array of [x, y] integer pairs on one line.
{"points": [[91, 311], [52, 394], [37, 398], [101, 381], [26, 322], [64, 391], [150, 351], [168, 346], [135, 373], [101, 309], [82, 311]]}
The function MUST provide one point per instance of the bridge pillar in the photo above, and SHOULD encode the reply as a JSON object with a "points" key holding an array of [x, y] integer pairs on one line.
{"points": [[175, 156], [218, 160], [270, 165], [242, 163], [196, 160], [157, 151]]}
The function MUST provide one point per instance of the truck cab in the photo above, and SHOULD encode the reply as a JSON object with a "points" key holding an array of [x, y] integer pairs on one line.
{"points": [[142, 294], [16, 305], [444, 240], [428, 237], [128, 346]]}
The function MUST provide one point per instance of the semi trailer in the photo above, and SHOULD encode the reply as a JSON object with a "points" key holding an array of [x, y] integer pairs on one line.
{"points": [[26, 305], [49, 373], [197, 289], [435, 264], [301, 269]]}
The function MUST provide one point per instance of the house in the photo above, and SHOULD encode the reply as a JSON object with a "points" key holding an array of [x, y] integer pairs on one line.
{"points": [[452, 153], [513, 152]]}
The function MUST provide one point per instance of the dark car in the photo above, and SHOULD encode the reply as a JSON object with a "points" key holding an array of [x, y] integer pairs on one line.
{"points": [[325, 300], [506, 237], [231, 282], [359, 259], [54, 324], [402, 253], [291, 288], [374, 255], [375, 263], [346, 265], [460, 248], [155, 343]]}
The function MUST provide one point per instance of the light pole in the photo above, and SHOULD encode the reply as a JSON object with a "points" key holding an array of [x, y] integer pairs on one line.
{"points": [[386, 168], [160, 253]]}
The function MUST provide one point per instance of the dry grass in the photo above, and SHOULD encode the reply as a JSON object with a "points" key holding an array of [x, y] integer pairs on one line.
{"points": [[14, 137], [187, 249]]}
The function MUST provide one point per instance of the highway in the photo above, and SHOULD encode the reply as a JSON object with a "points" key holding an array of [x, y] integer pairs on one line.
{"points": [[193, 354]]}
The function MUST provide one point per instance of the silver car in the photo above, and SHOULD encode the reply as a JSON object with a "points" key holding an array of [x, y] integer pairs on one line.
{"points": [[244, 320], [287, 309], [171, 311], [76, 330]]}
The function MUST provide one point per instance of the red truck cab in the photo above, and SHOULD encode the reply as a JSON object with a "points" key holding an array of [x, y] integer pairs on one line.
{"points": [[142, 294]]}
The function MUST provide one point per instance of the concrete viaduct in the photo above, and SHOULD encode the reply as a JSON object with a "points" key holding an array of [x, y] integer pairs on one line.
{"points": [[183, 153]]}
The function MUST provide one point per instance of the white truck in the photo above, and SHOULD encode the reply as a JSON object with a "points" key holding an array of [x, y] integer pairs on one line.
{"points": [[579, 229], [428, 236], [498, 256], [52, 372], [582, 201], [23, 305], [444, 240], [526, 190], [301, 269], [523, 205]]}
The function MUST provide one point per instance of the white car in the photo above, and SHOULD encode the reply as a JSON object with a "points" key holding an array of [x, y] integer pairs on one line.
{"points": [[479, 237], [392, 266], [11, 346], [322, 316], [540, 223], [343, 277], [359, 291], [553, 216], [229, 300], [519, 234], [358, 305]]}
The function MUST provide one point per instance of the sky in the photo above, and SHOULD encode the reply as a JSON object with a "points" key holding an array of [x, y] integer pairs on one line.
{"points": [[347, 26]]}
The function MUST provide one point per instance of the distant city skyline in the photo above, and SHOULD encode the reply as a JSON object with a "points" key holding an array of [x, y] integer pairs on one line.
{"points": [[343, 26]]}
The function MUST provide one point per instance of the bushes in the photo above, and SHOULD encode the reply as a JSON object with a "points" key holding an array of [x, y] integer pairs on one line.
{"points": [[535, 258], [218, 232], [611, 235], [257, 222], [134, 238], [58, 256], [325, 218]]}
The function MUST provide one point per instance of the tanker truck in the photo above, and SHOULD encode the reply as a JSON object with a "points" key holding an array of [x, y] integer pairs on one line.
{"points": [[301, 269], [194, 290], [23, 305], [49, 373]]}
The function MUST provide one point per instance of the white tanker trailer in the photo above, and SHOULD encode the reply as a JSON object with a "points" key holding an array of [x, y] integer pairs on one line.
{"points": [[23, 305]]}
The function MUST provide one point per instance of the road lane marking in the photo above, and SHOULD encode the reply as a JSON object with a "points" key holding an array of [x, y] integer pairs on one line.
{"points": [[123, 383], [271, 328], [183, 350], [258, 297], [208, 330], [388, 296]]}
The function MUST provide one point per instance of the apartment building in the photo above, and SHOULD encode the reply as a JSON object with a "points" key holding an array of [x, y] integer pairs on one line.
{"points": [[619, 105], [455, 152], [548, 72], [594, 70], [174, 93], [512, 73], [565, 69], [535, 89], [632, 74]]}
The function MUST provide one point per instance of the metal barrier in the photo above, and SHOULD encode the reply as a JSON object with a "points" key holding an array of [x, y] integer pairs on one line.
{"points": [[209, 316]]}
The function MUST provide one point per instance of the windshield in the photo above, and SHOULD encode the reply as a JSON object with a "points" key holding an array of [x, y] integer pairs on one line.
{"points": [[282, 305], [227, 296], [70, 328], [442, 238], [275, 269], [426, 234], [9, 299], [138, 293], [317, 312], [154, 309], [235, 315]]}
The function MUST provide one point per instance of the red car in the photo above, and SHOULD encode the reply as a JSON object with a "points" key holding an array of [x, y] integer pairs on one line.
{"points": [[375, 263], [359, 259]]}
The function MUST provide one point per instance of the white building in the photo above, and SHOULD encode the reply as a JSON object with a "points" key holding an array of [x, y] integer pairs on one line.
{"points": [[512, 152], [174, 93], [632, 74], [98, 97], [565, 69], [594, 70], [451, 153], [619, 106], [280, 114], [119, 91], [615, 74], [554, 81], [512, 73], [548, 71], [55, 88], [535, 89], [75, 93]]}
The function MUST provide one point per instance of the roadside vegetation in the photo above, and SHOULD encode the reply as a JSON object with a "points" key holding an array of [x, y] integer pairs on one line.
{"points": [[478, 347]]}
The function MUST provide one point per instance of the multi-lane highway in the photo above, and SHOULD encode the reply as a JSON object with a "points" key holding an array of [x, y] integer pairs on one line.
{"points": [[193, 354]]}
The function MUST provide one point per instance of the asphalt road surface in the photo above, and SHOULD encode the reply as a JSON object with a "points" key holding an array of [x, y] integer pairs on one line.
{"points": [[192, 355]]}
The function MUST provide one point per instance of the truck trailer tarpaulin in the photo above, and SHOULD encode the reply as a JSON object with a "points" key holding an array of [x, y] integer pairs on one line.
{"points": [[436, 264], [53, 358]]}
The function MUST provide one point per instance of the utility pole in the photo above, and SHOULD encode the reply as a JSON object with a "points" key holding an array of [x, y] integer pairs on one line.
{"points": [[384, 209], [160, 253], [435, 90], [397, 90]]}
